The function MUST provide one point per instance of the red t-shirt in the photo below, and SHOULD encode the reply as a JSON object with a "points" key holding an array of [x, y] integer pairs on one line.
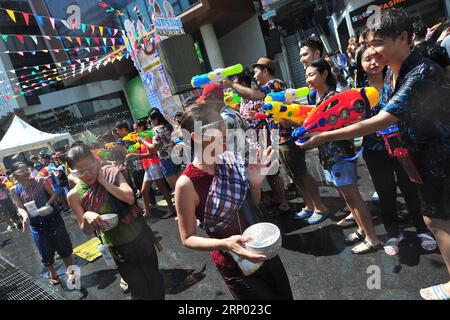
{"points": [[147, 162]]}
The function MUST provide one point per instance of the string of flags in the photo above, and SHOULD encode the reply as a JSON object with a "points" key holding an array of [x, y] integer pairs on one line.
{"points": [[76, 49], [41, 20], [71, 39]]}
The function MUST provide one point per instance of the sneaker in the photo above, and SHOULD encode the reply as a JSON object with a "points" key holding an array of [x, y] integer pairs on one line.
{"points": [[304, 214], [9, 228], [317, 217]]}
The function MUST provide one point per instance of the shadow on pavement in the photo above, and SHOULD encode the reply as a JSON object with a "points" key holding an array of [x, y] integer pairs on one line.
{"points": [[179, 280], [101, 279]]}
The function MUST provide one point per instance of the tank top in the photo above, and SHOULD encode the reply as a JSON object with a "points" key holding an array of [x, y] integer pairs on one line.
{"points": [[147, 162]]}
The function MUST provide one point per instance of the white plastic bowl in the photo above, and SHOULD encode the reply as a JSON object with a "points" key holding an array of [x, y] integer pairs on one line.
{"points": [[266, 239], [45, 211], [112, 219]]}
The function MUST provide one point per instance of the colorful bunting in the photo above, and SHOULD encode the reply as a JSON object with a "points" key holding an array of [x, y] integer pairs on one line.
{"points": [[11, 15], [41, 20], [26, 17], [101, 30], [78, 40], [52, 21], [34, 39], [93, 29], [20, 37], [83, 27], [5, 37]]}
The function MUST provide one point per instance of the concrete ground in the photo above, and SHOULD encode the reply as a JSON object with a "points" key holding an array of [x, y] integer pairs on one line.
{"points": [[318, 263]]}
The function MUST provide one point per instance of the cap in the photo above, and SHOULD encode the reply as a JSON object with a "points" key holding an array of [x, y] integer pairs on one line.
{"points": [[265, 62], [211, 89]]}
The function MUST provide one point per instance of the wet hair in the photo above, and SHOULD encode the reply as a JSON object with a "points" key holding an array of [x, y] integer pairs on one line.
{"points": [[78, 153], [122, 125], [314, 43], [29, 164], [322, 65], [157, 115], [243, 78], [195, 113], [142, 123], [420, 29], [392, 23]]}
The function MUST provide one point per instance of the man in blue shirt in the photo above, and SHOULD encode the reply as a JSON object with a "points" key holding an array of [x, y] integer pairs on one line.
{"points": [[420, 98]]}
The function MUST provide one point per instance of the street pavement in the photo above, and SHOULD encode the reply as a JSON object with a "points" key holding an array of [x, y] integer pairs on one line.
{"points": [[318, 263]]}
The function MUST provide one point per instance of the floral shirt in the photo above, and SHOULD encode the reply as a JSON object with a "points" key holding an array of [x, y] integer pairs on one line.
{"points": [[278, 133], [333, 152], [163, 139], [420, 99], [252, 106]]}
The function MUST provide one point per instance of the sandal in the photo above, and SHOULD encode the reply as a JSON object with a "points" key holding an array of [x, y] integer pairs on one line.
{"points": [[428, 243], [124, 286], [366, 247], [54, 282], [354, 238], [347, 222], [438, 293], [391, 246]]}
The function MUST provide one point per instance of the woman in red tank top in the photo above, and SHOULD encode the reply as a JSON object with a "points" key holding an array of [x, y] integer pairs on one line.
{"points": [[219, 209]]}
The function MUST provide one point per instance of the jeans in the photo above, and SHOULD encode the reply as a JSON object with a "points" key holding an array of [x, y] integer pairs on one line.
{"points": [[50, 236], [137, 263], [383, 171]]}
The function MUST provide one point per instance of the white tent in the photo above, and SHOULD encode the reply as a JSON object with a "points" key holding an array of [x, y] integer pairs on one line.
{"points": [[23, 137]]}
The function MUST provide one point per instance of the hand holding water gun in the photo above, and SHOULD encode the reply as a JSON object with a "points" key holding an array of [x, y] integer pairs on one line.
{"points": [[216, 76], [135, 136], [231, 98], [277, 111], [338, 111], [289, 95], [101, 154]]}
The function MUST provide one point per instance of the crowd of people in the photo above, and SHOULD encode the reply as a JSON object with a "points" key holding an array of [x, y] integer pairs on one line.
{"points": [[402, 59]]}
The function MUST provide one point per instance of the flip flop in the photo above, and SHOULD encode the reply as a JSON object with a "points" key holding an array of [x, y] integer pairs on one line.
{"points": [[369, 248], [354, 238], [428, 243], [438, 291], [346, 222], [391, 246], [54, 282]]}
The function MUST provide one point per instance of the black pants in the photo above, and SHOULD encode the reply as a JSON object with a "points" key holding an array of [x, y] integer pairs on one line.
{"points": [[138, 177], [383, 171], [138, 265]]}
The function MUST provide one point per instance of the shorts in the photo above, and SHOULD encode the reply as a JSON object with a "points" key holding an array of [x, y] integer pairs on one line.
{"points": [[51, 236], [169, 168], [153, 173], [342, 173], [294, 159], [435, 197]]}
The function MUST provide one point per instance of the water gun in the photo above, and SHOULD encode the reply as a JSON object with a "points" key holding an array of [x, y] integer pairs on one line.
{"points": [[277, 111], [134, 147], [289, 95], [338, 111], [101, 154], [135, 136], [231, 99], [215, 76], [392, 139], [111, 144]]}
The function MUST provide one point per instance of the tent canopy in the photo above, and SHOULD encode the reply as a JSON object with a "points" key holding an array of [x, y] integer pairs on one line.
{"points": [[23, 137]]}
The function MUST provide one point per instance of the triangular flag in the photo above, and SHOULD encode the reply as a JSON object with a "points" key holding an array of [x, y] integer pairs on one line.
{"points": [[46, 51], [33, 52], [5, 37], [110, 31], [115, 32], [78, 40], [47, 66], [52, 21], [88, 41], [12, 71], [7, 97], [57, 37], [56, 50], [104, 41], [83, 27], [11, 14], [58, 64], [26, 17], [69, 39], [113, 48], [34, 39], [93, 29], [96, 41], [36, 67], [77, 60], [104, 49], [113, 40], [41, 20], [20, 37], [20, 52], [101, 30], [87, 49], [74, 24], [97, 48], [86, 59], [47, 37], [64, 22]]}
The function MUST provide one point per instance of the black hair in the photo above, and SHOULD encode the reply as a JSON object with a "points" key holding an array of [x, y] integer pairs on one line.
{"points": [[243, 78], [45, 156], [17, 164], [322, 65], [78, 153], [34, 158], [122, 125], [314, 43], [178, 114], [77, 143], [392, 23], [142, 123], [29, 164], [361, 75], [157, 115], [195, 113], [420, 29]]}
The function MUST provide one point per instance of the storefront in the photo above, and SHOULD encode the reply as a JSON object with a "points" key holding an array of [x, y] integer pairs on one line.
{"points": [[352, 20]]}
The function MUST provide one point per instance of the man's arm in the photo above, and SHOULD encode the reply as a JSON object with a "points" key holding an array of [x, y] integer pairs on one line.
{"points": [[247, 93]]}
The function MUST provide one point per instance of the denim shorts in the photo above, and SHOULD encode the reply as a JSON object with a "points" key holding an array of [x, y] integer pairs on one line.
{"points": [[342, 173], [153, 173], [51, 236], [169, 168]]}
